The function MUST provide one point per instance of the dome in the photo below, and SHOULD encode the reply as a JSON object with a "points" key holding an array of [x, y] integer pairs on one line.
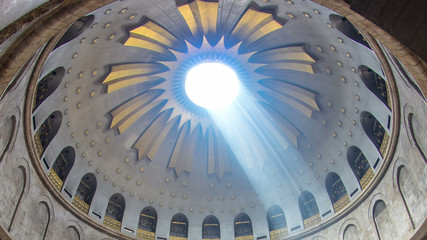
{"points": [[306, 146]]}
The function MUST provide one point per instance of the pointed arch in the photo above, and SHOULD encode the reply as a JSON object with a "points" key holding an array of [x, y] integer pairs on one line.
{"points": [[360, 166], [375, 83], [336, 191], [114, 212], [348, 29], [410, 195], [276, 222], [47, 86], [47, 132], [211, 228], [309, 210], [242, 227], [179, 227], [382, 220], [85, 192], [375, 131], [75, 30], [62, 167], [147, 224]]}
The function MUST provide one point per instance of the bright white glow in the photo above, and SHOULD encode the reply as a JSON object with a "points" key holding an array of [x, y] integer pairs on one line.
{"points": [[212, 85]]}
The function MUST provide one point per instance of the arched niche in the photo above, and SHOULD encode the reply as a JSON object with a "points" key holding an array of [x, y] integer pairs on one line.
{"points": [[7, 130], [147, 224], [243, 227], [375, 83], [382, 220], [410, 194], [114, 212], [309, 210], [47, 132], [40, 221], [75, 30], [47, 86], [179, 227], [211, 228], [85, 192], [347, 28], [416, 130], [71, 233], [406, 76], [336, 191], [360, 166], [375, 131], [351, 233], [62, 166], [276, 222]]}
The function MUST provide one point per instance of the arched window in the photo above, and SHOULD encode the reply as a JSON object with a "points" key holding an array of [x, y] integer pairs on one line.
{"points": [[77, 28], [309, 210], [336, 190], [61, 167], [115, 210], [210, 228], [351, 233], [348, 29], [360, 166], [179, 227], [47, 132], [383, 223], [276, 223], [147, 224], [375, 84], [410, 196], [85, 192], [375, 131], [242, 226], [48, 85]]}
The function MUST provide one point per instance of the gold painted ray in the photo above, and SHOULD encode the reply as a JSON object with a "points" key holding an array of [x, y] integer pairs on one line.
{"points": [[150, 140], [295, 53], [125, 110], [304, 109], [154, 33], [182, 150], [302, 67], [189, 18], [262, 31], [292, 90], [251, 21], [145, 44], [290, 131], [131, 118], [208, 16]]}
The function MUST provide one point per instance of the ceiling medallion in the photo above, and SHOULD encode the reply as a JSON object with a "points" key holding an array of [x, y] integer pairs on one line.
{"points": [[202, 38]]}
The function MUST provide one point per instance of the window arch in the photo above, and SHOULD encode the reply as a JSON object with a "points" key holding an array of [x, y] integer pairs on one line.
{"points": [[360, 166], [179, 227], [47, 86], [85, 192], [115, 210], [309, 210], [62, 166], [375, 131], [147, 224], [47, 132], [211, 228], [351, 233], [276, 222], [336, 191], [77, 28], [348, 29], [410, 195], [243, 226], [382, 220], [375, 83]]}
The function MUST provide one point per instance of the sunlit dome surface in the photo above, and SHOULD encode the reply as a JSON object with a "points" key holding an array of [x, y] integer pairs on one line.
{"points": [[212, 85]]}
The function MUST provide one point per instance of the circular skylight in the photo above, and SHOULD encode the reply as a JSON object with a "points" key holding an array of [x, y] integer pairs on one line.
{"points": [[212, 85]]}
